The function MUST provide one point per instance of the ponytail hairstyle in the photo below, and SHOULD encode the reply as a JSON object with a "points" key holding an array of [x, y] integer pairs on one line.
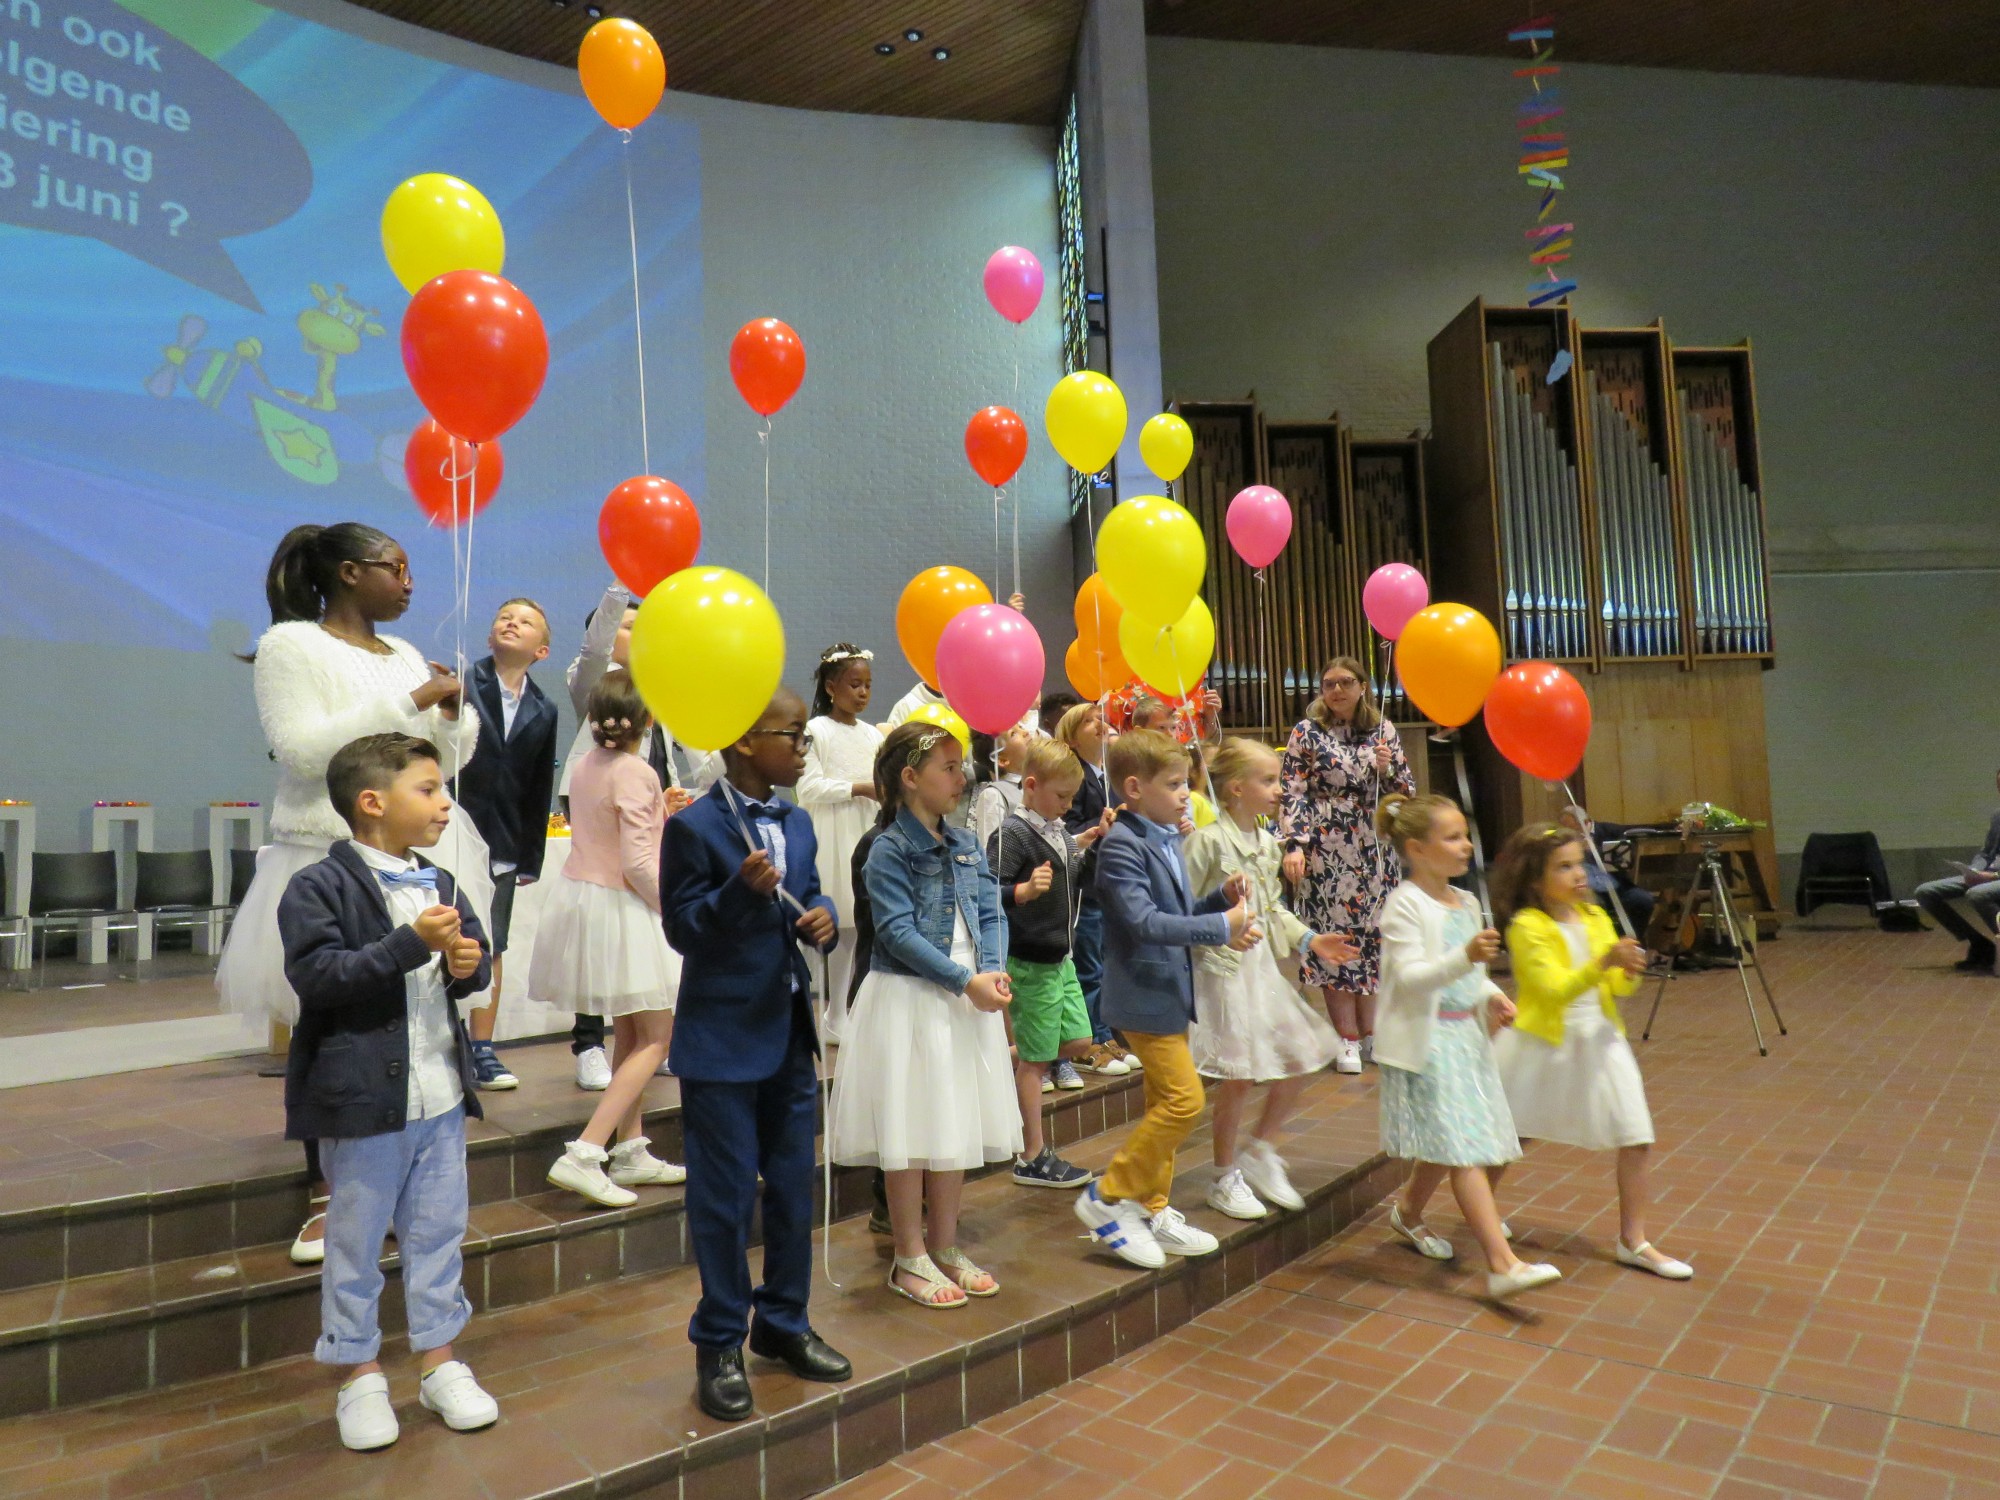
{"points": [[908, 746], [617, 715], [304, 575], [832, 662], [1366, 715], [1233, 759], [1524, 860], [1402, 818], [985, 758]]}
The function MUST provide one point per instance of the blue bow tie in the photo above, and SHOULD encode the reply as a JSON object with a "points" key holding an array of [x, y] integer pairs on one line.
{"points": [[765, 812], [425, 876]]}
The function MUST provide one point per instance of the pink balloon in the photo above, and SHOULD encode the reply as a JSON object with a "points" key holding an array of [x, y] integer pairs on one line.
{"points": [[990, 666], [1013, 284], [1259, 524], [1394, 594]]}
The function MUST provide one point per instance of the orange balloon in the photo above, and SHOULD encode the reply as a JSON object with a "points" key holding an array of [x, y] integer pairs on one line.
{"points": [[623, 72], [930, 602], [1448, 657], [1097, 616], [1094, 672]]}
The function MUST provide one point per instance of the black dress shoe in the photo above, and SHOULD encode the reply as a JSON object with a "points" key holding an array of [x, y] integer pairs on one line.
{"points": [[807, 1355], [1978, 959], [720, 1386]]}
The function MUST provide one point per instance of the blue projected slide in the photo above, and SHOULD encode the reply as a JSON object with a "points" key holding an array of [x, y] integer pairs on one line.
{"points": [[199, 335]]}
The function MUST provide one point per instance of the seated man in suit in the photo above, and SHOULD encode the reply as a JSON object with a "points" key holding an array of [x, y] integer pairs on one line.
{"points": [[506, 788], [1979, 889], [1617, 874], [744, 1050]]}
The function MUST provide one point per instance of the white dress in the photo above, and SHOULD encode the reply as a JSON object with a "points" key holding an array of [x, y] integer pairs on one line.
{"points": [[602, 952], [315, 694], [840, 755], [925, 1079], [1587, 1092]]}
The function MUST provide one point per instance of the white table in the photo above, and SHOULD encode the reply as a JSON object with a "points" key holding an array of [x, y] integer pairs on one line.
{"points": [[17, 842], [127, 830], [230, 826]]}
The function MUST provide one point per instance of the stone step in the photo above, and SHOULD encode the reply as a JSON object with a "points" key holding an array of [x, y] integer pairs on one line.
{"points": [[596, 1385]]}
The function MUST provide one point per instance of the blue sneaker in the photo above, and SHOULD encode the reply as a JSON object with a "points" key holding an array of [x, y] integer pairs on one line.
{"points": [[1050, 1171], [488, 1071], [1065, 1075], [1122, 1228]]}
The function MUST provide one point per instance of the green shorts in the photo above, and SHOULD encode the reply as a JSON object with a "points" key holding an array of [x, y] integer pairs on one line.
{"points": [[1048, 1008]]}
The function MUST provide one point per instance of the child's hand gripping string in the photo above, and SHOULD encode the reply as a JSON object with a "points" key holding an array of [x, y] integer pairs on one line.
{"points": [[1624, 954], [1483, 947], [1035, 885], [989, 992], [816, 926], [461, 958], [437, 927]]}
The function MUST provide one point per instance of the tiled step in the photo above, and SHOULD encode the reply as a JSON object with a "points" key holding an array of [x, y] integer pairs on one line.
{"points": [[596, 1385], [160, 1321]]}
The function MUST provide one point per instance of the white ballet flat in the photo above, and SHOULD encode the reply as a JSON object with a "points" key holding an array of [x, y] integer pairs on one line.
{"points": [[1665, 1265]]}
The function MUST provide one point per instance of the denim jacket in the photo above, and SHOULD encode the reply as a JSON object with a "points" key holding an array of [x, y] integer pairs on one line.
{"points": [[913, 883]]}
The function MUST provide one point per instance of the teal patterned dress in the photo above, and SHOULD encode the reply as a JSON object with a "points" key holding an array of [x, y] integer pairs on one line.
{"points": [[1454, 1113]]}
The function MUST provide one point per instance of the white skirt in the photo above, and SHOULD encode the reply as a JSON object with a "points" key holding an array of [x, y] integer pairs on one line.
{"points": [[251, 974], [601, 952], [1587, 1092], [924, 1081], [837, 828], [1254, 1024]]}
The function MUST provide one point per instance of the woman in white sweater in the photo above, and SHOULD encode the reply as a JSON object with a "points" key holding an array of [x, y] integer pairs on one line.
{"points": [[324, 677]]}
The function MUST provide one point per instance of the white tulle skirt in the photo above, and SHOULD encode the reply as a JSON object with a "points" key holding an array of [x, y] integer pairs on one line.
{"points": [[602, 952], [1254, 1024], [1587, 1092], [251, 973], [924, 1079]]}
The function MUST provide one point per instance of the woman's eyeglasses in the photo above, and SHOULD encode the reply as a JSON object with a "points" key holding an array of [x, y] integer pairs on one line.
{"points": [[801, 739], [1339, 684], [400, 569]]}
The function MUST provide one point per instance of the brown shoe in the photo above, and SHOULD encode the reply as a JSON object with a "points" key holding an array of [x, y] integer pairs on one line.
{"points": [[1103, 1059], [1128, 1057]]}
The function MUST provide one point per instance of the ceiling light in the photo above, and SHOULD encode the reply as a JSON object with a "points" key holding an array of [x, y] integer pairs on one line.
{"points": [[913, 35], [595, 12], [885, 49], [940, 54]]}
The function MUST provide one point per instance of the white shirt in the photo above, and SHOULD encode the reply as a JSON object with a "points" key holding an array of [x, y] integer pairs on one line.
{"points": [[434, 1086], [510, 704], [916, 698], [991, 804]]}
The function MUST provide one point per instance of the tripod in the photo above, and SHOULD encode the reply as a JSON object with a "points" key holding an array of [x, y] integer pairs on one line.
{"points": [[1712, 884]]}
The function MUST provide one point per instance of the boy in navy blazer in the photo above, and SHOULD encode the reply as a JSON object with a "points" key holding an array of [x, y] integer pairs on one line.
{"points": [[745, 1052], [1150, 923], [507, 788], [380, 947]]}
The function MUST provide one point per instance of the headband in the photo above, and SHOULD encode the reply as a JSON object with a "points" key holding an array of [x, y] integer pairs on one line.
{"points": [[837, 654]]}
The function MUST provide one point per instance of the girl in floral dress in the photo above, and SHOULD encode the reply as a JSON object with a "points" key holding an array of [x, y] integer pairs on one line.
{"points": [[1343, 758]]}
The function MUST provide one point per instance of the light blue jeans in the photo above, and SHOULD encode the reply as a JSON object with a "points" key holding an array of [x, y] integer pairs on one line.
{"points": [[413, 1178]]}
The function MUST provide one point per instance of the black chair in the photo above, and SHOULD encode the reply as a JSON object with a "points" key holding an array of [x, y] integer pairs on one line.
{"points": [[12, 929], [1841, 869], [242, 870], [177, 890], [68, 892]]}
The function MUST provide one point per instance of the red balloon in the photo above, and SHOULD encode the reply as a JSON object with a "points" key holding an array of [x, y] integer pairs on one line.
{"points": [[1538, 716], [475, 351], [649, 531], [434, 459], [768, 363], [996, 441]]}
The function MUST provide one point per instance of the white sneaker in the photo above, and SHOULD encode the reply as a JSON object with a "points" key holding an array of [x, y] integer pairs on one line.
{"points": [[1500, 1285], [1368, 1049], [1121, 1228], [1646, 1258], [1178, 1237], [581, 1169], [1348, 1058], [593, 1070], [1265, 1171], [453, 1394], [1047, 1086], [633, 1165], [362, 1410], [1231, 1195]]}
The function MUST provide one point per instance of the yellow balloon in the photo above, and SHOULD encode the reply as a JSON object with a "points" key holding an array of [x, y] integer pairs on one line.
{"points": [[708, 651], [1152, 556], [1169, 659], [435, 223], [1448, 656], [1166, 444], [1085, 417], [944, 718]]}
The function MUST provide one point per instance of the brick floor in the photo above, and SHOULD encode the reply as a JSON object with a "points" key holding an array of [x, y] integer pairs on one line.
{"points": [[1840, 1202]]}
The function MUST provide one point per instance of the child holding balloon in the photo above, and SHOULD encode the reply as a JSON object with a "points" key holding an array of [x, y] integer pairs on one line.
{"points": [[925, 1088], [838, 789]]}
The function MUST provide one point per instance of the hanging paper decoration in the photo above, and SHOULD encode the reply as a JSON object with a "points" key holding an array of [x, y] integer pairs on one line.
{"points": [[1544, 157]]}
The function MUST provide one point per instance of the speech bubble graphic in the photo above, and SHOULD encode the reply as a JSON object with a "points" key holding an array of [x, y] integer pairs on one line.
{"points": [[115, 130]]}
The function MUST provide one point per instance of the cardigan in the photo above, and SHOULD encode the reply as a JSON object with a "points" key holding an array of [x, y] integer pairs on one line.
{"points": [[1545, 978], [312, 701], [617, 812], [1218, 850], [1415, 966]]}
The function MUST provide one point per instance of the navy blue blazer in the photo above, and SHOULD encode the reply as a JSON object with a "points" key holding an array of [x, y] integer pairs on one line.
{"points": [[744, 979], [1149, 927], [509, 785], [347, 1074]]}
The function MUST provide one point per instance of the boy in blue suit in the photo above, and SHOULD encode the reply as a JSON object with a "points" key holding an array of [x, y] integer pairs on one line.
{"points": [[745, 1052], [1150, 923]]}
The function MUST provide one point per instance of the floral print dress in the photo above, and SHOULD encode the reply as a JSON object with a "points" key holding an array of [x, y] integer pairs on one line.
{"points": [[1331, 791]]}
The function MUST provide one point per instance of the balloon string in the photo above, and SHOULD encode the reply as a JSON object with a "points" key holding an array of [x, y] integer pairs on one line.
{"points": [[1590, 841], [764, 442], [1016, 505], [1264, 646], [638, 323], [996, 540], [1471, 823]]}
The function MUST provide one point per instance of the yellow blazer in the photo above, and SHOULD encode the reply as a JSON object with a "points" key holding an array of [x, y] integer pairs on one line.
{"points": [[1546, 980]]}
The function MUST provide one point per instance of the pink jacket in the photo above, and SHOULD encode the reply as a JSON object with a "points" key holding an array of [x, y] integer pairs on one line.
{"points": [[616, 813]]}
